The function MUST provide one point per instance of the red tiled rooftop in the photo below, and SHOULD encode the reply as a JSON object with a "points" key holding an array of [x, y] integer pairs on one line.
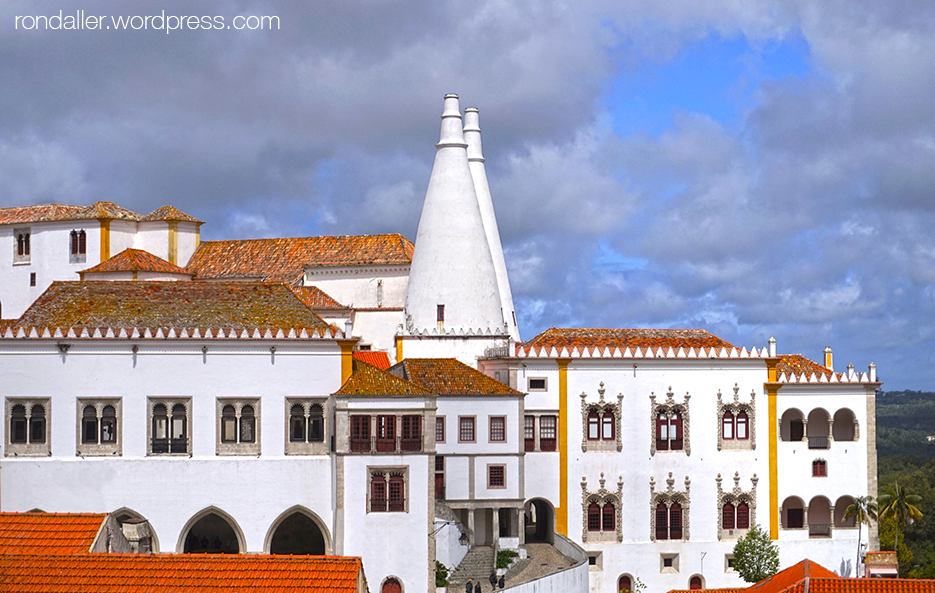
{"points": [[54, 212], [135, 260], [797, 364], [450, 377], [48, 533], [284, 260], [366, 379], [789, 576], [315, 298], [190, 573], [169, 213], [623, 338], [167, 305], [381, 360]]}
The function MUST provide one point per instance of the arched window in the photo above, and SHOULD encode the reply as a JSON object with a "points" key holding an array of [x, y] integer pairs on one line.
{"points": [[392, 585], [316, 424], [228, 424], [675, 521], [247, 425], [662, 521], [79, 243], [594, 517], [160, 429], [179, 430], [297, 424], [109, 424], [89, 425], [609, 516], [18, 424], [694, 583], [378, 493], [397, 498], [36, 420], [624, 584], [607, 425], [594, 426], [22, 244], [743, 516], [743, 424], [669, 431], [727, 516], [727, 426]]}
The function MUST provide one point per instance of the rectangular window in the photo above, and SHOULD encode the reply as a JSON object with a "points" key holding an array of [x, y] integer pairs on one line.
{"points": [[795, 518], [496, 476], [32, 278], [594, 426], [439, 477], [237, 426], [529, 433], [388, 490], [607, 426], [360, 434], [378, 493], [819, 468], [548, 431], [386, 434], [466, 429], [742, 423], [497, 429], [536, 384], [439, 429], [440, 313], [412, 433]]}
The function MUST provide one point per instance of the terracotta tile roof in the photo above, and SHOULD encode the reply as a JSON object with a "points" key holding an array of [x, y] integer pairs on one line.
{"points": [[171, 305], [881, 558], [784, 579], [135, 260], [450, 377], [797, 364], [284, 260], [381, 360], [169, 213], [367, 379], [722, 590], [48, 533], [6, 323], [315, 298], [623, 338], [53, 212], [189, 573], [872, 585]]}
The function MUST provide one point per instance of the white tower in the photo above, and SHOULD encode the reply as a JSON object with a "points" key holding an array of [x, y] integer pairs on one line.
{"points": [[452, 282], [485, 202]]}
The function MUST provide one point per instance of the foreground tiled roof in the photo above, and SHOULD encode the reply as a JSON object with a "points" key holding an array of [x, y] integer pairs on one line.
{"points": [[169, 213], [450, 377], [135, 260], [381, 360], [315, 298], [170, 309], [48, 533], [284, 260], [632, 343], [192, 573], [795, 368], [367, 379], [784, 579], [53, 212]]}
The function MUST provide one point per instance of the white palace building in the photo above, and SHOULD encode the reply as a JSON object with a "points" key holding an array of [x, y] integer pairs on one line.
{"points": [[364, 396]]}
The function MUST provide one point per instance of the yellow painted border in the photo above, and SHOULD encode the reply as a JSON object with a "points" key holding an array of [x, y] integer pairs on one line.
{"points": [[399, 348], [561, 513], [105, 239], [347, 359], [772, 389], [173, 242]]}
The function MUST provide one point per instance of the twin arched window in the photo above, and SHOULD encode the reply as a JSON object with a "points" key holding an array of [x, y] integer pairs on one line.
{"points": [[601, 424], [602, 517], [236, 429], [669, 431], [101, 430], [668, 521], [735, 427], [310, 429], [170, 431], [735, 517], [27, 428], [79, 243], [22, 244]]}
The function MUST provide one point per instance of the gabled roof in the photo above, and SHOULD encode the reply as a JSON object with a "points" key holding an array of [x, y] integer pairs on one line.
{"points": [[381, 360], [135, 260], [171, 305], [448, 376], [48, 533], [797, 573], [169, 213], [367, 379], [285, 260], [796, 364], [189, 573], [316, 298], [55, 212], [623, 338]]}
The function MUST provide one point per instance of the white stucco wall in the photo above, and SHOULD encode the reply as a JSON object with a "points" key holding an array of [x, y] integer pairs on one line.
{"points": [[362, 286]]}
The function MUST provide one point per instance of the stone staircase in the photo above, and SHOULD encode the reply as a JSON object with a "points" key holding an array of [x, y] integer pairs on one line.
{"points": [[476, 565]]}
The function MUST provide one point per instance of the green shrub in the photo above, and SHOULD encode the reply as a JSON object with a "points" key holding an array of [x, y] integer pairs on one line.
{"points": [[505, 558], [441, 574]]}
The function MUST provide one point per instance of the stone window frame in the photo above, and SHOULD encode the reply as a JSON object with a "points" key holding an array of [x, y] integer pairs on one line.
{"points": [[99, 449], [490, 429], [668, 497], [819, 467], [735, 496], [674, 558], [601, 407], [238, 448], [545, 383], [440, 423], [387, 472], [669, 406], [728, 564], [735, 407], [26, 257], [307, 447], [601, 497], [473, 420], [28, 449], [491, 466], [169, 403]]}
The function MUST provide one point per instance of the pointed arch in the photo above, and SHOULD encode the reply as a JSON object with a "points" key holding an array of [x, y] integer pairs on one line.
{"points": [[288, 514], [204, 514], [126, 514]]}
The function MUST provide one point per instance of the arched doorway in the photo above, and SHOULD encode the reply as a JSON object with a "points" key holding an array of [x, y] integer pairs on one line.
{"points": [[211, 532], [391, 585], [540, 521], [695, 583], [137, 530], [297, 533], [625, 584]]}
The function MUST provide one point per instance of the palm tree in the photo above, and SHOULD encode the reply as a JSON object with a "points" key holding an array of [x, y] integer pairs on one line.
{"points": [[900, 506], [864, 510]]}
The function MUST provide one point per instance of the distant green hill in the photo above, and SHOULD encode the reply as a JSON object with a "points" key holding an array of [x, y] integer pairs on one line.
{"points": [[904, 420]]}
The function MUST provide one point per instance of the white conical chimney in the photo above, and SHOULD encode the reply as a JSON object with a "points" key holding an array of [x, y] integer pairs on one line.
{"points": [[488, 216], [452, 281]]}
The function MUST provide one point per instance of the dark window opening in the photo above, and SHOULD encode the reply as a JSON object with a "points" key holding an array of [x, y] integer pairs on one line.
{"points": [[32, 278], [297, 424], [360, 434], [441, 312], [548, 433], [496, 476], [529, 433], [18, 424], [89, 425]]}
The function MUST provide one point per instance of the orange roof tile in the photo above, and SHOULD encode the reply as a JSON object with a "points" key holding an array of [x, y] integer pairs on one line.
{"points": [[367, 379], [448, 376], [381, 360], [623, 338], [722, 590], [190, 573], [169, 213], [315, 298], [284, 260], [53, 212], [789, 576], [5, 323], [135, 260], [127, 305], [48, 533], [872, 585], [797, 364]]}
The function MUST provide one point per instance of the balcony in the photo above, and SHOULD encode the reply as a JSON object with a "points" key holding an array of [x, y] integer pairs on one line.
{"points": [[818, 443], [384, 445], [819, 530]]}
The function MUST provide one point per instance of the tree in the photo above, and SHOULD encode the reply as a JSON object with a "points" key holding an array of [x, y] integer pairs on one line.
{"points": [[756, 557], [900, 506], [863, 509]]}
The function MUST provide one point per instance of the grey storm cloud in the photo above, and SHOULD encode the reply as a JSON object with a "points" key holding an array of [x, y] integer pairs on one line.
{"points": [[810, 220]]}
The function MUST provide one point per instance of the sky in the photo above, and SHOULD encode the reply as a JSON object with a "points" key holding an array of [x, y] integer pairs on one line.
{"points": [[754, 168]]}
